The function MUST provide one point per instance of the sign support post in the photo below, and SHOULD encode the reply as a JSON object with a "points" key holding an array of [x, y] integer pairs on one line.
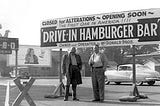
{"points": [[16, 64], [60, 86], [134, 95], [60, 72], [135, 89]]}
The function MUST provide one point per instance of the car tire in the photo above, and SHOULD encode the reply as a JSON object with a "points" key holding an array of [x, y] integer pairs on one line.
{"points": [[106, 81], [150, 83], [117, 83], [139, 83]]}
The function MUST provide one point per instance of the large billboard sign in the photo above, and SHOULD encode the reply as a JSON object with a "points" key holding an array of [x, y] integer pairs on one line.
{"points": [[31, 56], [110, 29]]}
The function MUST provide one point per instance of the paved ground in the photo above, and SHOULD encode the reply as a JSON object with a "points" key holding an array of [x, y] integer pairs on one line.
{"points": [[112, 94]]}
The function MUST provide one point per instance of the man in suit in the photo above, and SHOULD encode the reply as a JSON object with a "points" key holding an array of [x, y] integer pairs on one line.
{"points": [[71, 66], [98, 63]]}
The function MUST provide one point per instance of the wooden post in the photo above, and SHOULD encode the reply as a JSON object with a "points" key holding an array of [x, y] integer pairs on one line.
{"points": [[134, 95], [16, 63], [23, 92], [135, 89], [134, 66], [7, 94], [60, 71], [60, 88]]}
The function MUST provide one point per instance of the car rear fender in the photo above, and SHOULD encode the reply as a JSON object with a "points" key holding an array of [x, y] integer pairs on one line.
{"points": [[142, 76]]}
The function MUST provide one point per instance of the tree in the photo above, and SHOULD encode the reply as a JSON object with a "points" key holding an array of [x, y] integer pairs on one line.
{"points": [[118, 53], [85, 53], [146, 49], [115, 54]]}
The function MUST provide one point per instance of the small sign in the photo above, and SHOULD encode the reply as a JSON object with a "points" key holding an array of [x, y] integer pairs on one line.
{"points": [[8, 44], [5, 51]]}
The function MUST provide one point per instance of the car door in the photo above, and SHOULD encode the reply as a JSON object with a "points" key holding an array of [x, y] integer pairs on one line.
{"points": [[129, 73], [122, 74], [139, 74]]}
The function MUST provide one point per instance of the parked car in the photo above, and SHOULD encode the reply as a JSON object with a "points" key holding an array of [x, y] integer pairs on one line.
{"points": [[22, 72], [124, 73]]}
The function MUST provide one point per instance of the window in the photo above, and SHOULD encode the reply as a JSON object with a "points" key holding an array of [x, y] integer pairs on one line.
{"points": [[124, 68]]}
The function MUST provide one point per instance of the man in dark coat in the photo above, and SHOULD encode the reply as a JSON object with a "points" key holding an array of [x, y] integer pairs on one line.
{"points": [[71, 66]]}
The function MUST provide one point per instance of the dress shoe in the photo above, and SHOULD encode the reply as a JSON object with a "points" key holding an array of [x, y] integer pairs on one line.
{"points": [[101, 100], [75, 99], [95, 100], [65, 99]]}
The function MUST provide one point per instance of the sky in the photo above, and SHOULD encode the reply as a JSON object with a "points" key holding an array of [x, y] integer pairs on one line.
{"points": [[23, 17]]}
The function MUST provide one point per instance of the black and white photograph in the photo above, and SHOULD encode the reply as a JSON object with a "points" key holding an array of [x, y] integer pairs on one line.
{"points": [[79, 53]]}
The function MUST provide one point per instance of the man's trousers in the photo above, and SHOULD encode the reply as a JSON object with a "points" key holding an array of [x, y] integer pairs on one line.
{"points": [[98, 83]]}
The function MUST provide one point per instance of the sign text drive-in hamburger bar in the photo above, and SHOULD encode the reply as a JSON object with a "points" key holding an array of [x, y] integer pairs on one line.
{"points": [[114, 29]]}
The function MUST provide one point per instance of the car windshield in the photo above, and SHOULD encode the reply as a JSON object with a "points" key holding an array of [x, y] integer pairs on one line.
{"points": [[121, 68], [129, 68]]}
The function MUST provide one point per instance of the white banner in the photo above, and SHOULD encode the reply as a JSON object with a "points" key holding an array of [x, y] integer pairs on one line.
{"points": [[143, 25]]}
